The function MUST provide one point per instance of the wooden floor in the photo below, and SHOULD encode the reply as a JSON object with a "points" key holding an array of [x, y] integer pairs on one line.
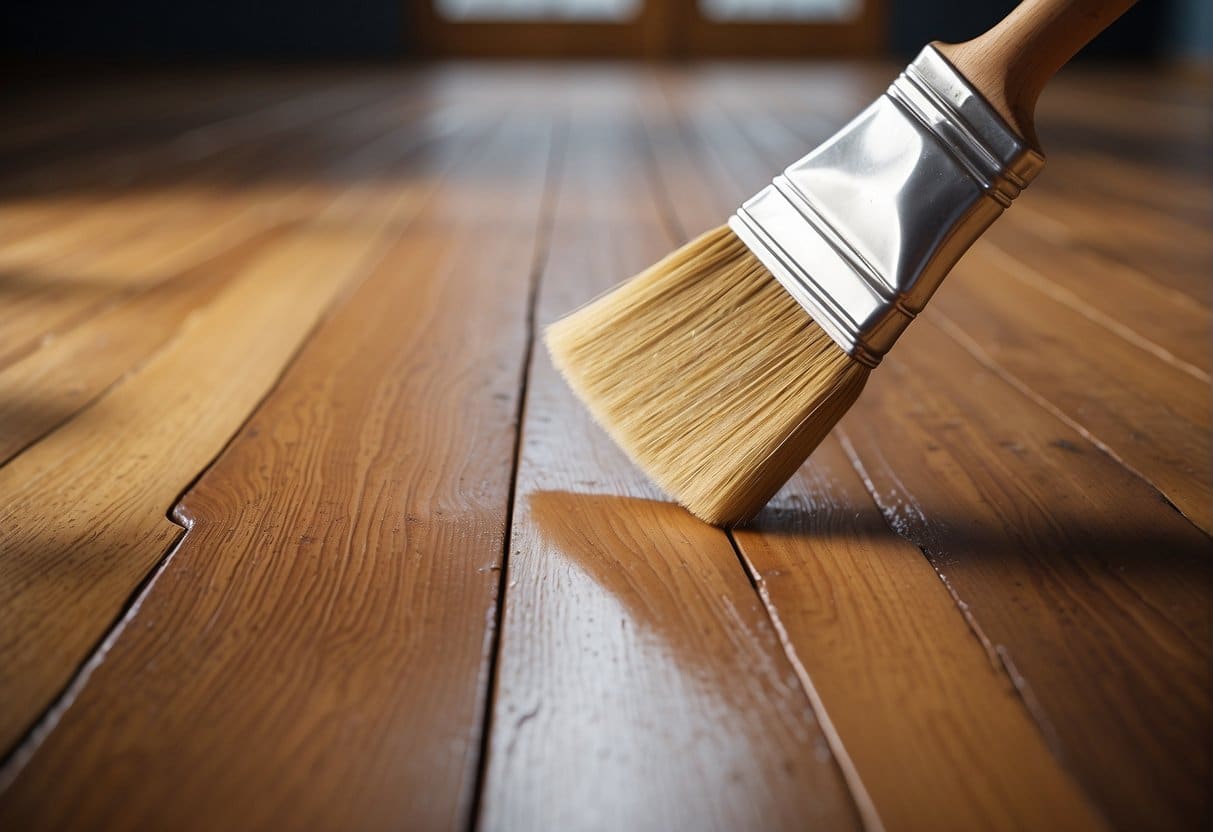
{"points": [[299, 529]]}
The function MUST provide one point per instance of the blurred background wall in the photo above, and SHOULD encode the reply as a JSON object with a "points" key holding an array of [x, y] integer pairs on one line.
{"points": [[194, 30], [1154, 29]]}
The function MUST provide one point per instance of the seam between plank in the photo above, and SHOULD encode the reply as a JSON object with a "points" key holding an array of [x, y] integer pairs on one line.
{"points": [[547, 216], [865, 806], [1032, 277], [24, 749], [15, 759], [862, 801], [949, 328]]}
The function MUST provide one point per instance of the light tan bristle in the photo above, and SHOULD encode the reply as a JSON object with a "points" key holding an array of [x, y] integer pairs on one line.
{"points": [[711, 377]]}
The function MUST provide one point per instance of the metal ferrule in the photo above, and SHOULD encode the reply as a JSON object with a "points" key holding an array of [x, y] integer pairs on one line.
{"points": [[862, 230]]}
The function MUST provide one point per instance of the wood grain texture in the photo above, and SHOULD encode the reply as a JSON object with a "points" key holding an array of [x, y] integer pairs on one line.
{"points": [[869, 626], [167, 134], [83, 517], [916, 699], [1164, 187], [55, 381], [639, 684], [98, 327], [146, 231], [77, 507], [1148, 413], [349, 544], [142, 137], [1093, 592], [318, 651], [1063, 551], [1174, 255], [1169, 323]]}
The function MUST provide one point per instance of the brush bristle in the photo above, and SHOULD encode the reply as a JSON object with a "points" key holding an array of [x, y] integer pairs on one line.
{"points": [[708, 373]]}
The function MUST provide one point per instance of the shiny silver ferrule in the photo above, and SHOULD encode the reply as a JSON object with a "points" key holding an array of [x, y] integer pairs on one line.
{"points": [[862, 231]]}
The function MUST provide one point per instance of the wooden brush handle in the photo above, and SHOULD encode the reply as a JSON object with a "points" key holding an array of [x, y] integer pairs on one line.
{"points": [[1010, 64]]}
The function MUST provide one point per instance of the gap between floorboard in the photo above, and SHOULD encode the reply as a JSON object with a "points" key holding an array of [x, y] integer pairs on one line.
{"points": [[547, 214], [13, 759]]}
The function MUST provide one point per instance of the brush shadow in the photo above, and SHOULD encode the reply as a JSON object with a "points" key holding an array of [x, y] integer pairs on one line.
{"points": [[1059, 538], [624, 545], [1063, 538], [1164, 568]]}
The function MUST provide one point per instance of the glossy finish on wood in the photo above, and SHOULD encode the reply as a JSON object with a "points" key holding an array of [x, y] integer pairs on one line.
{"points": [[918, 700], [870, 628], [985, 603], [1100, 615], [992, 458], [640, 684], [1039, 342]]}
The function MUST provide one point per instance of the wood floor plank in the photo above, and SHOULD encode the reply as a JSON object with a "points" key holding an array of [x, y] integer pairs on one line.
{"points": [[136, 242], [75, 506], [56, 208], [149, 122], [972, 609], [1173, 255], [1164, 172], [639, 684], [69, 214], [161, 132], [915, 698], [1162, 320], [46, 302], [53, 383], [349, 541], [103, 512], [52, 113], [64, 355], [1148, 413], [67, 112], [871, 630], [1169, 188], [1073, 570], [1094, 593], [1165, 105]]}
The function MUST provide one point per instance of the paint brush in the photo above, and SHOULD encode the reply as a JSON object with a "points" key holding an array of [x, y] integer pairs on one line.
{"points": [[720, 368]]}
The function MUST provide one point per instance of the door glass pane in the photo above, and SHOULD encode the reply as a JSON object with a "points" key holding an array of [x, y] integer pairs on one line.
{"points": [[538, 10], [779, 10]]}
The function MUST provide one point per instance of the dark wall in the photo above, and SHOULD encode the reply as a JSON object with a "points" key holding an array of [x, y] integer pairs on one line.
{"points": [[192, 29], [208, 29], [1189, 31], [1151, 29]]}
